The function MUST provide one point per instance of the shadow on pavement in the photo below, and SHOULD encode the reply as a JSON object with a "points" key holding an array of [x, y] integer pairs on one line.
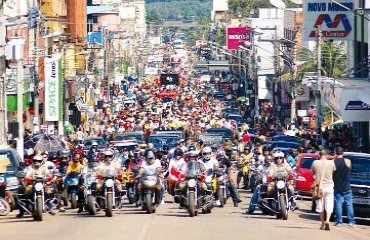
{"points": [[172, 215], [291, 227], [16, 220]]}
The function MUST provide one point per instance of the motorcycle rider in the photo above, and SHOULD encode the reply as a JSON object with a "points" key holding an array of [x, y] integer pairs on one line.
{"points": [[244, 160], [263, 170], [151, 165], [92, 151], [280, 167], [176, 168], [76, 167], [210, 164], [107, 165], [35, 169]]}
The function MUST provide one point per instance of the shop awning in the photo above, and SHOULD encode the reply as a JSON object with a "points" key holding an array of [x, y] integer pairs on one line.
{"points": [[350, 100], [12, 102]]}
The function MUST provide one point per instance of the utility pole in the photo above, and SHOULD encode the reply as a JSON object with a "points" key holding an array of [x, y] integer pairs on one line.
{"points": [[20, 147], [3, 112], [293, 111], [319, 90]]}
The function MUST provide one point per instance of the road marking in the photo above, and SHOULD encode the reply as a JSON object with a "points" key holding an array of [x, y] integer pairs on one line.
{"points": [[146, 227]]}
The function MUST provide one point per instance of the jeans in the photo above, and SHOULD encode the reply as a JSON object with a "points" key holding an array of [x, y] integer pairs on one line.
{"points": [[254, 200], [338, 203], [233, 192]]}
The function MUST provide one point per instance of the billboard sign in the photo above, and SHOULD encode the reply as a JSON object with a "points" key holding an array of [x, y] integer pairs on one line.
{"points": [[170, 79], [237, 36], [336, 21], [53, 88]]}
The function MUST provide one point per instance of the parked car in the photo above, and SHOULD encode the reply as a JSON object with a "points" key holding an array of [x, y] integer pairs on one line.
{"points": [[137, 136], [159, 140], [87, 143], [13, 170], [286, 138], [304, 178], [225, 132]]}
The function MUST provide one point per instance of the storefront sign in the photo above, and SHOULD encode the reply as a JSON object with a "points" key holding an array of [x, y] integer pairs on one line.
{"points": [[237, 36], [53, 88], [302, 94], [357, 105], [335, 21], [170, 79]]}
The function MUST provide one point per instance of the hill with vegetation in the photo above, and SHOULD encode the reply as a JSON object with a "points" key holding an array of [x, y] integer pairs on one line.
{"points": [[177, 10]]}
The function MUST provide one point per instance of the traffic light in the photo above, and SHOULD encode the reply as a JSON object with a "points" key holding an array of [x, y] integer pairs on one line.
{"points": [[33, 14]]}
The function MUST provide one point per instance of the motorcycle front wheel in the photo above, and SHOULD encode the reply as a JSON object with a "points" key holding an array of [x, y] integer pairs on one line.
{"points": [[148, 203], [109, 206], [191, 207], [73, 200], [4, 207], [283, 207], [220, 196], [38, 209], [90, 205]]}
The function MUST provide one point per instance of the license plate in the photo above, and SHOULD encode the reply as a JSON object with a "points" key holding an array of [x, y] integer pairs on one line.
{"points": [[364, 201]]}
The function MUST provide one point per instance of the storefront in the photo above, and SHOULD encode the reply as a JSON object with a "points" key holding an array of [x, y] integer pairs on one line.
{"points": [[350, 100]]}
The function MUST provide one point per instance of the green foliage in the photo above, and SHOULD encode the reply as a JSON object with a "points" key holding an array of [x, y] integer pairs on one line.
{"points": [[178, 9], [249, 8]]}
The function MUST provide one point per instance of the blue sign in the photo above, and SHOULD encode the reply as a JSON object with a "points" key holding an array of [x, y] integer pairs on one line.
{"points": [[357, 105]]}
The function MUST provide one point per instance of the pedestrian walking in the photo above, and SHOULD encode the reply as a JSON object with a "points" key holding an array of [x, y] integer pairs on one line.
{"points": [[342, 189], [322, 170]]}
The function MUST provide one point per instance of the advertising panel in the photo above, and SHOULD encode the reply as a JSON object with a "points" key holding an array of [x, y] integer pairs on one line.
{"points": [[170, 79], [220, 5], [237, 36], [53, 88], [336, 21]]}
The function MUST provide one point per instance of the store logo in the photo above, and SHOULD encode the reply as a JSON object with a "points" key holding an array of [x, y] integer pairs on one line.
{"points": [[357, 105], [332, 23]]}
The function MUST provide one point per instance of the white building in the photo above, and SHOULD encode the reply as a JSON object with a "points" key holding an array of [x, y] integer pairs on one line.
{"points": [[267, 27]]}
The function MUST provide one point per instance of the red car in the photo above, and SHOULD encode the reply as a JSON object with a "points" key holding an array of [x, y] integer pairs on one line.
{"points": [[304, 179]]}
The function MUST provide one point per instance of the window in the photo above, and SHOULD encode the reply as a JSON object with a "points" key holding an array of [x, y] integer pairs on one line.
{"points": [[306, 162], [360, 167], [7, 158]]}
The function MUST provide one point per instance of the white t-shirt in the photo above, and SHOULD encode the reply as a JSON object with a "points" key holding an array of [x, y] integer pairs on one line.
{"points": [[209, 164], [151, 169], [178, 164]]}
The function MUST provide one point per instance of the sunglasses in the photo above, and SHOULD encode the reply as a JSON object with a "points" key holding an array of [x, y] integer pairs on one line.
{"points": [[279, 158]]}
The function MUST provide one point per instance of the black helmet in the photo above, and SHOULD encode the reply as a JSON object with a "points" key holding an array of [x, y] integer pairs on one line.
{"points": [[200, 141], [166, 147], [266, 148], [178, 152], [191, 148], [59, 153], [193, 153]]}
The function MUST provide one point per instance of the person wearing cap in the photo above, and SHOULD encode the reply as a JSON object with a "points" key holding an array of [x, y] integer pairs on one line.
{"points": [[322, 171]]}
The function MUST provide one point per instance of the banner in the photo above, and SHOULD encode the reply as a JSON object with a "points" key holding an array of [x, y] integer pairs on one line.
{"points": [[53, 88], [335, 21], [237, 36], [169, 79]]}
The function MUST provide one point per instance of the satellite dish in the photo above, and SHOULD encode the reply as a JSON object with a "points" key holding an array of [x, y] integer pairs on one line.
{"points": [[299, 2], [278, 4]]}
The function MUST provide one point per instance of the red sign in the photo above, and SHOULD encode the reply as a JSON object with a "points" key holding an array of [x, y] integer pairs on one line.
{"points": [[236, 36]]}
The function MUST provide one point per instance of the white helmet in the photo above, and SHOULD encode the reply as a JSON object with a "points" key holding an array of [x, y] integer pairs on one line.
{"points": [[206, 153], [279, 154]]}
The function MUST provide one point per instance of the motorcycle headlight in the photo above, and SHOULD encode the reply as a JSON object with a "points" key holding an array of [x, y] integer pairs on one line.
{"points": [[89, 181], [39, 187], [150, 182], [280, 184], [2, 179], [109, 183], [192, 183]]}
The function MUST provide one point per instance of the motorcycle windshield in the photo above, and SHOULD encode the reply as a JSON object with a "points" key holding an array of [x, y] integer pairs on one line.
{"points": [[193, 169], [110, 172]]}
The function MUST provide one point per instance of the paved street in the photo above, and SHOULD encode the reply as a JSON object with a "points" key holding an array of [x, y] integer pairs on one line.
{"points": [[172, 223]]}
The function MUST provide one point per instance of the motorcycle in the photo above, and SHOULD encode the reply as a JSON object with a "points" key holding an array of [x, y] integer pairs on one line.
{"points": [[150, 192], [106, 197], [279, 203], [4, 205], [37, 204], [191, 195], [71, 188], [221, 187]]}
